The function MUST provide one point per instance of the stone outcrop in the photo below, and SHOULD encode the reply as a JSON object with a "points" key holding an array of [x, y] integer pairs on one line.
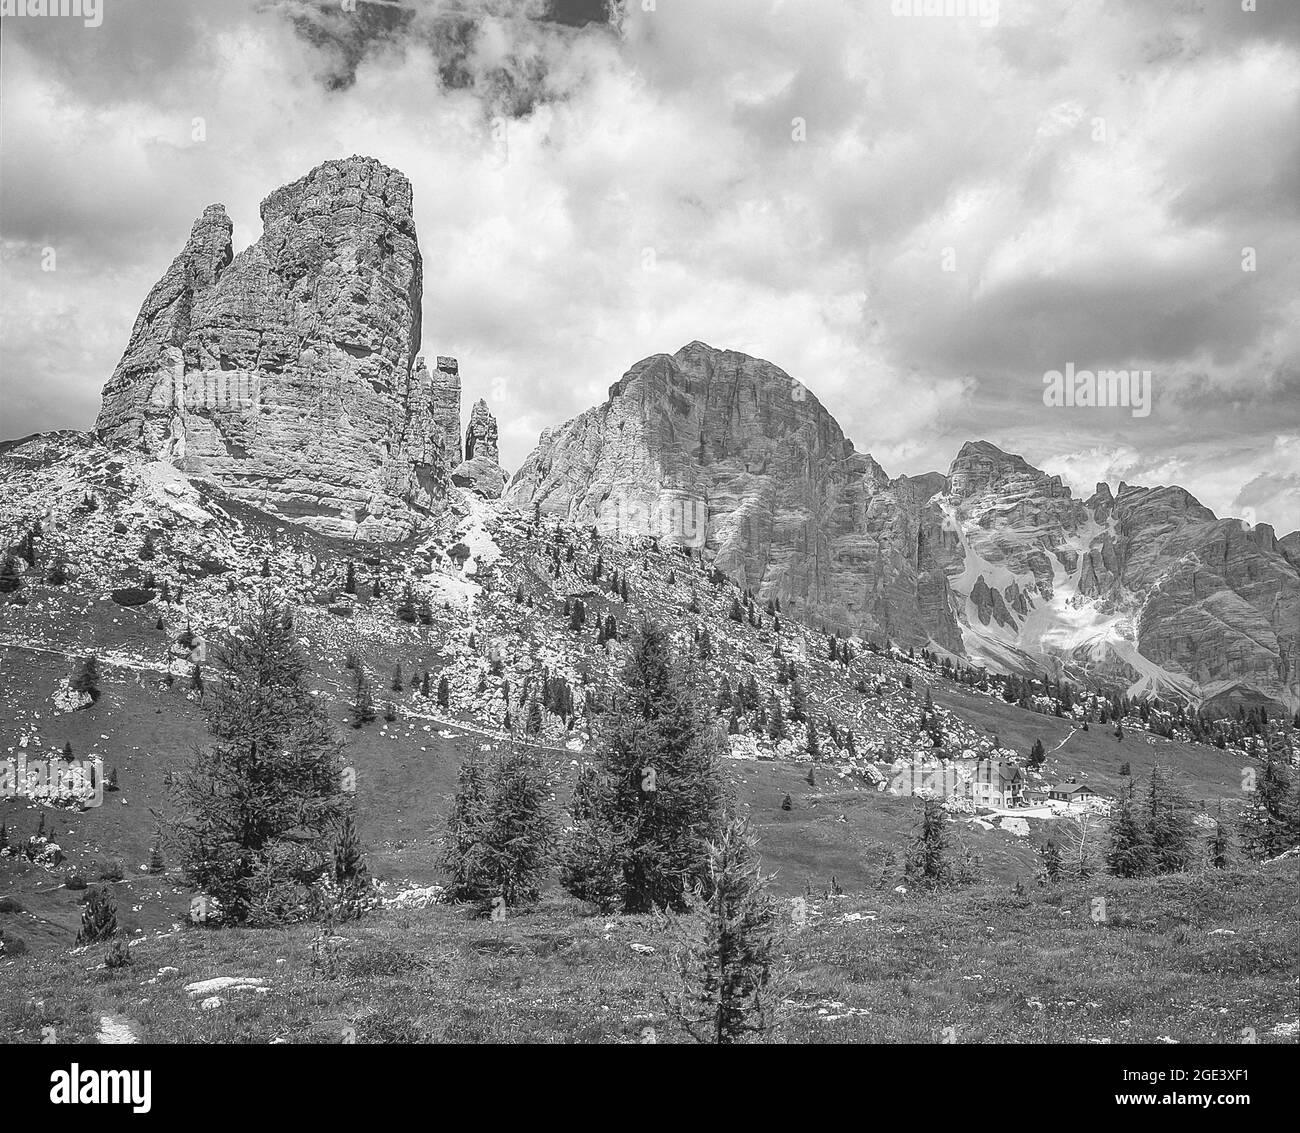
{"points": [[1145, 587], [1141, 588], [288, 374], [716, 449], [481, 471]]}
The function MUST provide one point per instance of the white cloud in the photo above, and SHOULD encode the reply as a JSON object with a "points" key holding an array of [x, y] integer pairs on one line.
{"points": [[824, 255]]}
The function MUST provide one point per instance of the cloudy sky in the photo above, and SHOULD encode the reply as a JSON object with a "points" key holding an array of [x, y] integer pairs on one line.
{"points": [[916, 215]]}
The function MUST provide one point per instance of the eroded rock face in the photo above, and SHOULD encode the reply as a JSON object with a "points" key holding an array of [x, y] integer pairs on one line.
{"points": [[715, 448], [480, 470], [288, 374], [1145, 589]]}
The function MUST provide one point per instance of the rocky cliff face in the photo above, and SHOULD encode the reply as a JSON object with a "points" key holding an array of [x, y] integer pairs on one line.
{"points": [[717, 449], [480, 470], [289, 374], [1145, 589]]}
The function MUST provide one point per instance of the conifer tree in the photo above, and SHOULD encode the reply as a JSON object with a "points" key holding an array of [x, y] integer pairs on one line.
{"points": [[444, 693], [775, 719], [257, 808], [1170, 830], [98, 916], [725, 953], [406, 606], [1050, 853], [501, 831], [398, 682], [798, 702], [1128, 847], [9, 577], [659, 790], [156, 864], [1270, 824], [363, 702], [927, 863], [1218, 842], [86, 677], [814, 743]]}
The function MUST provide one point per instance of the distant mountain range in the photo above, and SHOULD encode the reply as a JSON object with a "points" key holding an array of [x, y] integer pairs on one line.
{"points": [[290, 375]]}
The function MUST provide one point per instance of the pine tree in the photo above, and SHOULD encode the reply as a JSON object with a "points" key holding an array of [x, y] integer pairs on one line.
{"points": [[1037, 755], [424, 683], [1128, 847], [725, 953], [927, 864], [775, 720], [67, 751], [533, 725], [787, 803], [501, 831], [1170, 830], [9, 577], [814, 743], [156, 864], [659, 792], [444, 693], [798, 702], [350, 580], [1219, 843], [363, 703], [398, 682], [424, 612], [1270, 824], [1051, 856], [58, 575], [351, 877], [737, 614], [86, 677], [406, 607], [98, 916], [256, 808], [266, 567], [147, 550]]}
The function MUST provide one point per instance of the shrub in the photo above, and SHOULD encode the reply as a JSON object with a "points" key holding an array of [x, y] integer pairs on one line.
{"points": [[118, 955], [74, 881], [98, 916], [111, 871]]}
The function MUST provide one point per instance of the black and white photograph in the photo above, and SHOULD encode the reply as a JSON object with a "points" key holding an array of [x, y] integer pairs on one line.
{"points": [[652, 522]]}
